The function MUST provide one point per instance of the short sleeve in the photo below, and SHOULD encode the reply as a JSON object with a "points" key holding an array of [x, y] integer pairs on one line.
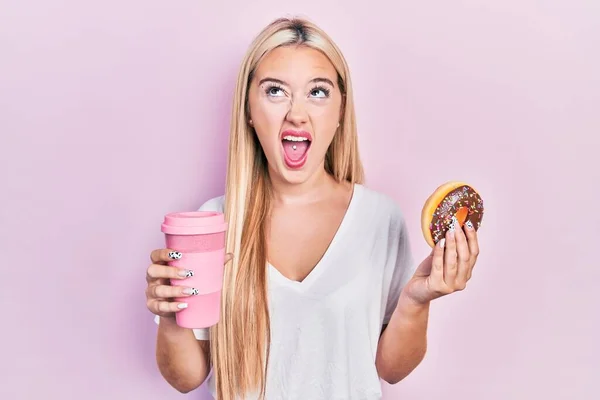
{"points": [[200, 334], [216, 204], [400, 265]]}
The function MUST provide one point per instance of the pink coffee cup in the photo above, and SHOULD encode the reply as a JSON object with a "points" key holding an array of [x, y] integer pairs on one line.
{"points": [[200, 238]]}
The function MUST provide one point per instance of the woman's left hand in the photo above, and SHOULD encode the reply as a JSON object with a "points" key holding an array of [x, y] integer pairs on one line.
{"points": [[447, 269]]}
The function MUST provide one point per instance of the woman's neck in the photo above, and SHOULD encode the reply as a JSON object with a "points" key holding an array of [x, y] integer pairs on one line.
{"points": [[314, 189]]}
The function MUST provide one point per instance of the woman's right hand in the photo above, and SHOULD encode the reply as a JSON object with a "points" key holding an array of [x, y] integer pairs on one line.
{"points": [[159, 293]]}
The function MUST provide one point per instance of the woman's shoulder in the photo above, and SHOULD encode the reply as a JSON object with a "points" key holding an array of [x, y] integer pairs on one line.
{"points": [[216, 204], [381, 202]]}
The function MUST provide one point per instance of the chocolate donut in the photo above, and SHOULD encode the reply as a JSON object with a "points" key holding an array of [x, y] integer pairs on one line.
{"points": [[451, 203]]}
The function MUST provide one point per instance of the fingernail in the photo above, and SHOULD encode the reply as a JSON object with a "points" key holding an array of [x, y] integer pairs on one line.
{"points": [[191, 291], [186, 273], [442, 243], [174, 255], [452, 226], [469, 225], [182, 305]]}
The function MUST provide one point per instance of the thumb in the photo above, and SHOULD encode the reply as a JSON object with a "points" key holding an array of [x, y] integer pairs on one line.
{"points": [[424, 269], [228, 257]]}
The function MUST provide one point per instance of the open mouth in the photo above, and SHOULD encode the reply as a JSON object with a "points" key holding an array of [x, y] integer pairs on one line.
{"points": [[295, 148]]}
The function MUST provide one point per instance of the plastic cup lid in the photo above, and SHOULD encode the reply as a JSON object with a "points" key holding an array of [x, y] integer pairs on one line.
{"points": [[194, 223]]}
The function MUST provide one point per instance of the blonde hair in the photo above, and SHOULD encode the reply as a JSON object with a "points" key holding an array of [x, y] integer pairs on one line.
{"points": [[240, 342]]}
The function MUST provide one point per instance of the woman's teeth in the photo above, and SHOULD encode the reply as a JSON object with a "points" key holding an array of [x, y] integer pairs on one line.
{"points": [[295, 139]]}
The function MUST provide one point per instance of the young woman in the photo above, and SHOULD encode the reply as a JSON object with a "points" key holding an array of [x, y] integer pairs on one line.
{"points": [[321, 298]]}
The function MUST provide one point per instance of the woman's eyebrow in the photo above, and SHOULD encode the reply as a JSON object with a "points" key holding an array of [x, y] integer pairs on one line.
{"points": [[281, 82], [324, 80]]}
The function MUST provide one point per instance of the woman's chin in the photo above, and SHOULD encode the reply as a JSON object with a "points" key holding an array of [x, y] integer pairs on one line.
{"points": [[292, 174], [296, 171]]}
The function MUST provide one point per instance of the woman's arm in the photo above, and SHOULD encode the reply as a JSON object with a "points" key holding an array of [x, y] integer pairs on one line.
{"points": [[446, 270], [183, 360], [403, 344]]}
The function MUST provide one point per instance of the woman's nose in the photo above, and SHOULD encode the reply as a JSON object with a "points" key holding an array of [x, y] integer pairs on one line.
{"points": [[297, 113]]}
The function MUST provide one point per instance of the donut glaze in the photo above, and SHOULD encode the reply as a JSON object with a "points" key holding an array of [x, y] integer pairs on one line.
{"points": [[456, 202]]}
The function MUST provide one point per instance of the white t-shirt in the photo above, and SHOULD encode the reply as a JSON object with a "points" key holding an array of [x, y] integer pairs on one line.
{"points": [[325, 329]]}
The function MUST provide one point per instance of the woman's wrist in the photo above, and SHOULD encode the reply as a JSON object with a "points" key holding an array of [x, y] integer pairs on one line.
{"points": [[169, 326], [409, 309]]}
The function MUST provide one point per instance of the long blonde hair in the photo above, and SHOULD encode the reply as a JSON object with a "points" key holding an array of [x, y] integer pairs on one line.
{"points": [[240, 341]]}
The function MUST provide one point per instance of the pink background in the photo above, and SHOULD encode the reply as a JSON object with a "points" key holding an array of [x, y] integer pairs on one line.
{"points": [[113, 113]]}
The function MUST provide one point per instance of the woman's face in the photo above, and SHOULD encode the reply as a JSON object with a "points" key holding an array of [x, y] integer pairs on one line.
{"points": [[295, 104]]}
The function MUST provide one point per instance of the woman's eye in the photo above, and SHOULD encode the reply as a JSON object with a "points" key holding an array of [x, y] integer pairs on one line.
{"points": [[274, 91], [319, 93]]}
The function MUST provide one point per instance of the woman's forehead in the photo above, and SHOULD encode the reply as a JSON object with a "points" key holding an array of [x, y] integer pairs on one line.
{"points": [[295, 65]]}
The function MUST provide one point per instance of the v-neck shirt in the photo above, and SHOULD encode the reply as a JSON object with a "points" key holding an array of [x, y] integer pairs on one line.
{"points": [[325, 328]]}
